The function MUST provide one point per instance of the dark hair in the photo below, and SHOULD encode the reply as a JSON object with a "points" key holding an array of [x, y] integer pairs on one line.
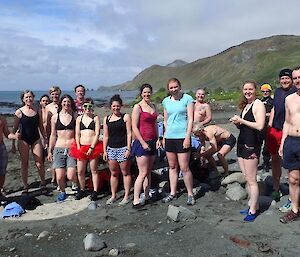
{"points": [[45, 95], [243, 101], [116, 98], [88, 100], [26, 92], [173, 80], [78, 87], [73, 106], [146, 85]]}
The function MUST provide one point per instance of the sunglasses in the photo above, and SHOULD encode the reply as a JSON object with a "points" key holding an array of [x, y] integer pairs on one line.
{"points": [[88, 106], [267, 91]]}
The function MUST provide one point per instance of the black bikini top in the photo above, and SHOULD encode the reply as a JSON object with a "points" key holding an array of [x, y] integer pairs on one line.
{"points": [[60, 126], [90, 126]]}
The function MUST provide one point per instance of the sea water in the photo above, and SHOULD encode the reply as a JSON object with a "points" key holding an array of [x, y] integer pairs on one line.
{"points": [[10, 100]]}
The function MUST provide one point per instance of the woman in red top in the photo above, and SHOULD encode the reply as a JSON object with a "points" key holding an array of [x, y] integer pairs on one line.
{"points": [[146, 141]]}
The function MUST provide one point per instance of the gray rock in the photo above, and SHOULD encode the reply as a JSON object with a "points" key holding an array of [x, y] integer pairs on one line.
{"points": [[180, 213], [28, 235], [130, 245], [234, 184], [236, 193], [92, 206], [93, 242], [113, 252], [234, 177], [43, 235]]}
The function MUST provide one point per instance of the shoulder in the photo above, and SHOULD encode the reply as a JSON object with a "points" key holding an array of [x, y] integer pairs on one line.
{"points": [[258, 104], [290, 97], [187, 98]]}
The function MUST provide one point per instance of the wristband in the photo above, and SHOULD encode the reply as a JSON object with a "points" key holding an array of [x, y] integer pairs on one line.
{"points": [[91, 147]]}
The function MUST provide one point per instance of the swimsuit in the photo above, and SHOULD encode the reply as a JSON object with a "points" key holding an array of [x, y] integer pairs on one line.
{"points": [[90, 126], [30, 128], [60, 126]]}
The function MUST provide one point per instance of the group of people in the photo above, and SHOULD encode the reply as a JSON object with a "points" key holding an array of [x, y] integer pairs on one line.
{"points": [[73, 131]]}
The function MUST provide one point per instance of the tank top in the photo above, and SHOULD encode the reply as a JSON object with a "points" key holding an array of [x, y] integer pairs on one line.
{"points": [[90, 126], [147, 125], [249, 136], [117, 132], [60, 126], [29, 128]]}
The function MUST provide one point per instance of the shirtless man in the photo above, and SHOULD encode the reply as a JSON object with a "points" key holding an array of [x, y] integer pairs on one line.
{"points": [[51, 109], [202, 110], [3, 153], [221, 141], [290, 147], [80, 93]]}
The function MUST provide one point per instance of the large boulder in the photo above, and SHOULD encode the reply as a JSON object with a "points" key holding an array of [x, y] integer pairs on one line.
{"points": [[234, 177]]}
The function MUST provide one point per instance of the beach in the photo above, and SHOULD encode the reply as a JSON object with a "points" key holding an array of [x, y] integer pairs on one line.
{"points": [[214, 229]]}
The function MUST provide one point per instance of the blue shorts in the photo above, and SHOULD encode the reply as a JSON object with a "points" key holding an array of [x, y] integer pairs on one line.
{"points": [[291, 153], [116, 154], [138, 151], [62, 159], [3, 159]]}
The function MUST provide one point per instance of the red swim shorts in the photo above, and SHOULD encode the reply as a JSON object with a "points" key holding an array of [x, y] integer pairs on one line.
{"points": [[273, 140]]}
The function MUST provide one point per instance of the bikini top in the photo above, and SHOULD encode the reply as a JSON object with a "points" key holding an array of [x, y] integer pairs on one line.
{"points": [[90, 126], [60, 126]]}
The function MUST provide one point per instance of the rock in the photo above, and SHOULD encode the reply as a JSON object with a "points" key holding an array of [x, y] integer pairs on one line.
{"points": [[234, 184], [130, 245], [113, 252], [43, 234], [236, 193], [12, 249], [28, 235], [92, 206], [93, 242], [234, 177], [179, 213]]}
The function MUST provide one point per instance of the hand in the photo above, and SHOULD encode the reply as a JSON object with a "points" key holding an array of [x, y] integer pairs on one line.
{"points": [[163, 142], [89, 152], [280, 151], [17, 135], [104, 156], [146, 147], [49, 157], [186, 143], [158, 144], [127, 153]]}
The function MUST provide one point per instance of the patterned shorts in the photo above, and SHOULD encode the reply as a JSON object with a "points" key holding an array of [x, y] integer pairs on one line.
{"points": [[117, 154], [3, 159]]}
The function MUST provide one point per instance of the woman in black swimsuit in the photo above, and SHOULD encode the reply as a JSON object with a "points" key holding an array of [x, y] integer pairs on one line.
{"points": [[250, 123], [87, 147], [27, 124]]}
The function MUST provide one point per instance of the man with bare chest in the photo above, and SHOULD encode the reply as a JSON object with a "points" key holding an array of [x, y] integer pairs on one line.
{"points": [[202, 110], [290, 147]]}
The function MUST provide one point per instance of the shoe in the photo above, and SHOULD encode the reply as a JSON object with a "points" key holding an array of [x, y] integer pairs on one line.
{"points": [[94, 196], [123, 202], [250, 217], [25, 191], [168, 198], [74, 187], [286, 207], [110, 201], [191, 200], [62, 196], [290, 216], [43, 188], [245, 211], [137, 206], [79, 195], [276, 196]]}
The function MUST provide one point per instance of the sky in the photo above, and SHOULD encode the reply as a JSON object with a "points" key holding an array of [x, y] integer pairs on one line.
{"points": [[108, 42]]}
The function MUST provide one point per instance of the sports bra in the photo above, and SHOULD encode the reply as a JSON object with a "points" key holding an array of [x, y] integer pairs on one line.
{"points": [[90, 126], [60, 126]]}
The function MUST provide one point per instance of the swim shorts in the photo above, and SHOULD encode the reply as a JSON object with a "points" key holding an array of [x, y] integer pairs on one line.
{"points": [[62, 159], [116, 154], [273, 140], [175, 146], [138, 150], [248, 152], [231, 140], [291, 153]]}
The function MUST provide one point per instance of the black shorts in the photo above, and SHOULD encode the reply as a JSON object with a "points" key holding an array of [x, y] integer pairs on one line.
{"points": [[175, 146], [291, 153], [248, 152], [231, 140]]}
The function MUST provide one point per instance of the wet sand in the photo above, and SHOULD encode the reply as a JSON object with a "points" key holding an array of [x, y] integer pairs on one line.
{"points": [[217, 230]]}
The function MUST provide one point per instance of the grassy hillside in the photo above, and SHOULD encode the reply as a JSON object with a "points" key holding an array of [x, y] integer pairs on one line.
{"points": [[260, 60]]}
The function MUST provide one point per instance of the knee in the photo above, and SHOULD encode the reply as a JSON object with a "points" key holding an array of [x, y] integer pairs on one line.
{"points": [[293, 180], [39, 165], [114, 174]]}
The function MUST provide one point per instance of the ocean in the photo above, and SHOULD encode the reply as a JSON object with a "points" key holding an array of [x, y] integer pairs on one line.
{"points": [[10, 100]]}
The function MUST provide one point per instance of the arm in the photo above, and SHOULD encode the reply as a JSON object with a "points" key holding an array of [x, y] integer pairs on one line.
{"points": [[47, 122], [6, 131], [52, 138], [285, 129], [271, 117], [96, 137], [105, 138], [213, 145], [15, 133], [128, 129], [77, 132], [42, 128], [165, 126], [190, 118], [208, 115], [135, 117]]}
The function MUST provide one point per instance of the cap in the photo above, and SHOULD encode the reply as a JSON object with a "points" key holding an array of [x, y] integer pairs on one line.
{"points": [[266, 87], [286, 72]]}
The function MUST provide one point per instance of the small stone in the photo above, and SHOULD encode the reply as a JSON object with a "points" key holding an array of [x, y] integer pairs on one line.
{"points": [[236, 193], [92, 206], [93, 242], [130, 245], [43, 234], [113, 252], [28, 235], [12, 249]]}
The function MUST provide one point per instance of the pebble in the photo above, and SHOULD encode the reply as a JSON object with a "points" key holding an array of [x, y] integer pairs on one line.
{"points": [[43, 234], [93, 242], [130, 245], [113, 252], [12, 249], [28, 235]]}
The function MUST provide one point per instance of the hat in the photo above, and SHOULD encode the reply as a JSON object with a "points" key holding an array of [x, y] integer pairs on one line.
{"points": [[286, 72], [12, 210], [265, 87]]}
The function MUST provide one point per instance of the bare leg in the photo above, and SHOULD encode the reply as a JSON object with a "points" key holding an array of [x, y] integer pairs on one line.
{"points": [[24, 153], [125, 166], [61, 178], [276, 171], [81, 167], [95, 174], [114, 178], [225, 149], [294, 177], [183, 160], [37, 151], [71, 175], [173, 171]]}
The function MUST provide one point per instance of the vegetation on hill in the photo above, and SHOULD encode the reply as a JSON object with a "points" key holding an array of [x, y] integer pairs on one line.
{"points": [[260, 60]]}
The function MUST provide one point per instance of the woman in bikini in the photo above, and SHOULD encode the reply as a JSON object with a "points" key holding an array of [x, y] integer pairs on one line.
{"points": [[144, 127], [27, 127], [61, 138], [116, 147], [250, 123], [87, 147], [44, 101]]}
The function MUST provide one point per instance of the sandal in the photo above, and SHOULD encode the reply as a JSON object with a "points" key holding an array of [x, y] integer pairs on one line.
{"points": [[43, 188], [25, 191], [168, 198], [110, 201], [290, 216]]}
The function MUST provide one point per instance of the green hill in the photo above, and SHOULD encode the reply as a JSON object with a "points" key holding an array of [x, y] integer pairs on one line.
{"points": [[260, 60]]}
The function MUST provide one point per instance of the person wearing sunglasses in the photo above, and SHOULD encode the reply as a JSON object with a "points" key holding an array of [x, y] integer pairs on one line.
{"points": [[267, 100], [87, 147], [117, 147]]}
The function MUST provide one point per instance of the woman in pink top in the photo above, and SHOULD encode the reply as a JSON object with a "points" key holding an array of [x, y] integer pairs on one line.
{"points": [[146, 142]]}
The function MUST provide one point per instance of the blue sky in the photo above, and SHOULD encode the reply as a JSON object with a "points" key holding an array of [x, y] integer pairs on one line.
{"points": [[107, 42]]}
